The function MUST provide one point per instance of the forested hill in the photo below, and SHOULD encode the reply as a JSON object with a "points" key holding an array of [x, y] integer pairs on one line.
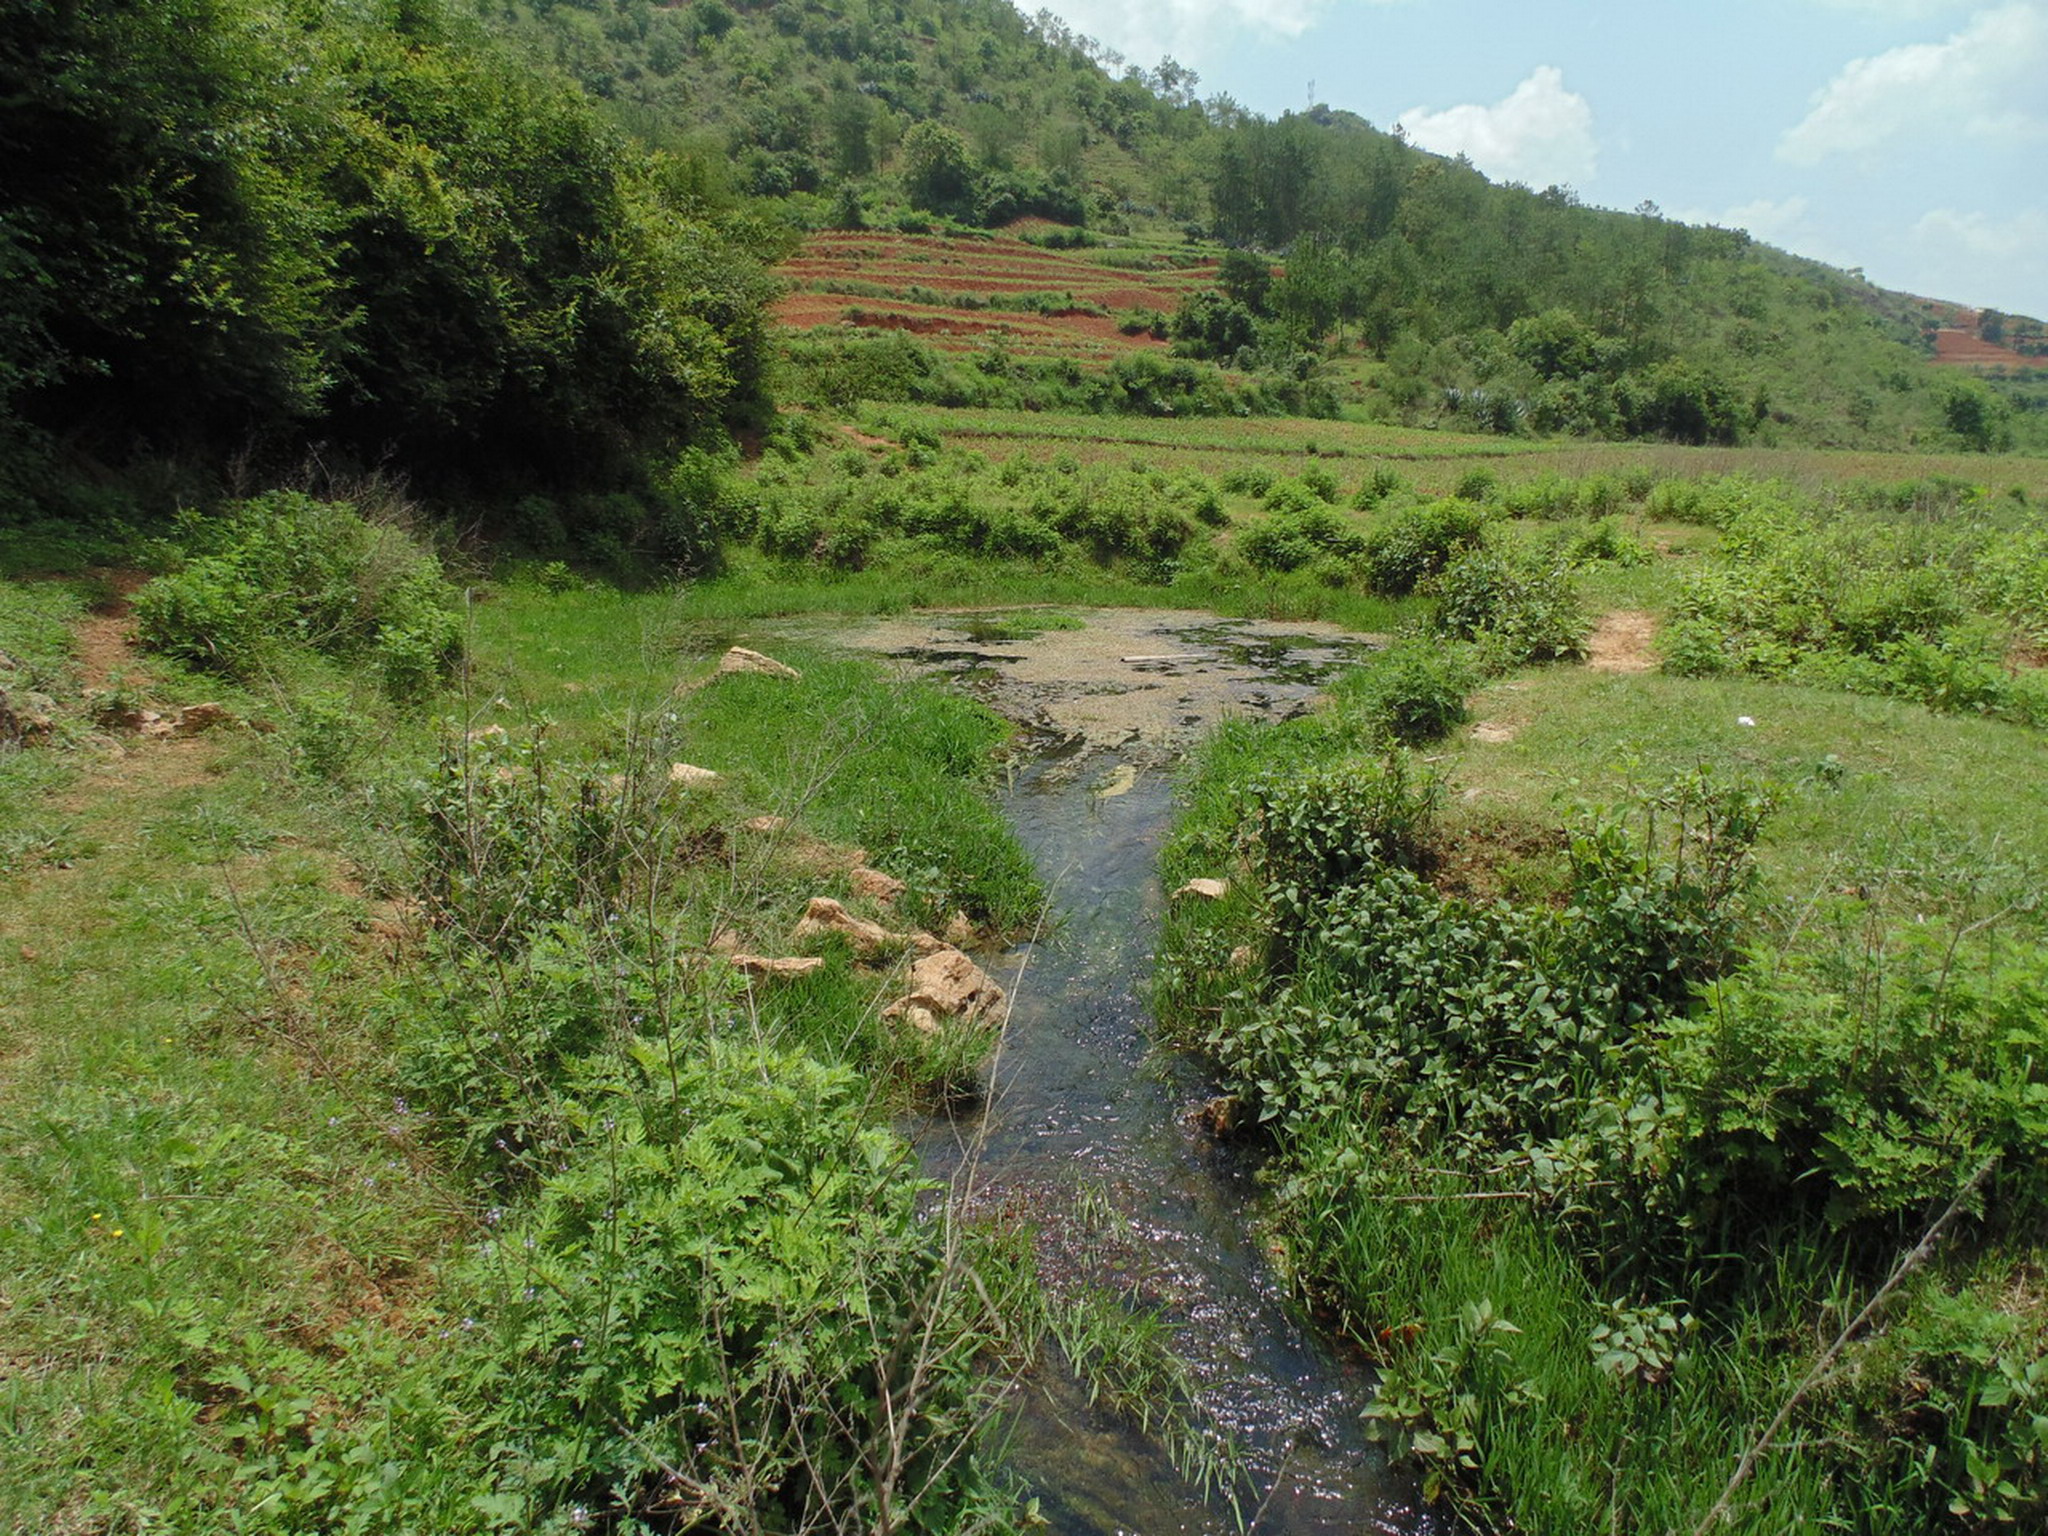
{"points": [[1523, 308], [494, 245], [246, 230]]}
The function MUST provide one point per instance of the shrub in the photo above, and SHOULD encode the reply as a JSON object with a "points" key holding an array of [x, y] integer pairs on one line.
{"points": [[1476, 485], [1247, 480], [1379, 485], [1524, 611], [1295, 539], [1414, 691], [741, 1292], [286, 570], [1321, 482], [1322, 830], [1417, 542]]}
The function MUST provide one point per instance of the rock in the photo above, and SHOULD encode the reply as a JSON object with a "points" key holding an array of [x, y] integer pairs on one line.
{"points": [[917, 1016], [1204, 889], [740, 659], [1221, 1117], [925, 944], [690, 776], [764, 824], [26, 717], [776, 968], [825, 916], [194, 718], [959, 931], [946, 985], [873, 884]]}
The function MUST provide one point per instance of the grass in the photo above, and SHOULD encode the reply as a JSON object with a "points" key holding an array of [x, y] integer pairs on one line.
{"points": [[208, 1200], [227, 1238], [231, 1247], [1874, 792]]}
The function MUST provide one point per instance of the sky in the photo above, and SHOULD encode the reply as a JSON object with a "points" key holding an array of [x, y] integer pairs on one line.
{"points": [[1907, 138]]}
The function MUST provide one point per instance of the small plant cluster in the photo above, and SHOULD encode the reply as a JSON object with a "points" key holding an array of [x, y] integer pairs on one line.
{"points": [[1876, 598], [876, 364], [284, 571], [1553, 1159], [1046, 515], [713, 1293]]}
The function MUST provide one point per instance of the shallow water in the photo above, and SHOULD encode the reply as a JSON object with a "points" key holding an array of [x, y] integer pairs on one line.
{"points": [[1086, 1134]]}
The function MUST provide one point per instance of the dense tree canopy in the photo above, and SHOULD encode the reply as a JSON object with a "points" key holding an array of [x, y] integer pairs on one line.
{"points": [[246, 224]]}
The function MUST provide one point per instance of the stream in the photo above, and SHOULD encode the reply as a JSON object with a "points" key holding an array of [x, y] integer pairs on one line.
{"points": [[1086, 1131]]}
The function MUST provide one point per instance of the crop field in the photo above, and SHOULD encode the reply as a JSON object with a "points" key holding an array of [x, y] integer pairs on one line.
{"points": [[1432, 460], [959, 292]]}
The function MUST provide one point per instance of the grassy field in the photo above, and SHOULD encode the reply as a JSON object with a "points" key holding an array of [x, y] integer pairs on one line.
{"points": [[317, 1019]]}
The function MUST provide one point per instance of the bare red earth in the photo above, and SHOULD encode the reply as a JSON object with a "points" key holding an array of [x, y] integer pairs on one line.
{"points": [[1967, 350], [867, 278]]}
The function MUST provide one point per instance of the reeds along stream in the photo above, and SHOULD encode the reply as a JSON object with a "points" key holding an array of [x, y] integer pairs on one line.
{"points": [[1086, 1134]]}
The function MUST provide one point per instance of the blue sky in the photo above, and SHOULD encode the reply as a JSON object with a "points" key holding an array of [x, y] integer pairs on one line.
{"points": [[1905, 137]]}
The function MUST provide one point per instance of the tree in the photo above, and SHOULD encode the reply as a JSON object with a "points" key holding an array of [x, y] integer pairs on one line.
{"points": [[938, 169], [1975, 415]]}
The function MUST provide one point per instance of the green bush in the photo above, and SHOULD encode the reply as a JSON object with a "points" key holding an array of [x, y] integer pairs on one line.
{"points": [[1521, 610], [1317, 832], [1299, 537], [1414, 691], [1247, 480], [736, 1288], [284, 570], [1417, 542], [1383, 482]]}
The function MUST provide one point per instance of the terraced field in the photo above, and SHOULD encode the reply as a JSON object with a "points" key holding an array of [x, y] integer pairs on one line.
{"points": [[960, 291]]}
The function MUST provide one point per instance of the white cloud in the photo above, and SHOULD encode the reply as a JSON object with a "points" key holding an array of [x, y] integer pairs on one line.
{"points": [[1540, 133], [1982, 235], [1786, 222], [1984, 81], [1987, 259], [1145, 31]]}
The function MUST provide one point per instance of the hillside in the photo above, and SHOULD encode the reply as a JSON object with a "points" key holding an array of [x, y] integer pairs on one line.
{"points": [[1424, 292]]}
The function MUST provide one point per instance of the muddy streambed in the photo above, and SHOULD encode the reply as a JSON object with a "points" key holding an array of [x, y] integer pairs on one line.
{"points": [[1086, 1132]]}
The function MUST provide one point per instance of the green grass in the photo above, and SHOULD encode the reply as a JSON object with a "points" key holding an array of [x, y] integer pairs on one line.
{"points": [[1875, 793]]}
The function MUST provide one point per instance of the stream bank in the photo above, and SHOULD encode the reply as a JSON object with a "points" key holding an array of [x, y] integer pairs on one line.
{"points": [[1086, 1132]]}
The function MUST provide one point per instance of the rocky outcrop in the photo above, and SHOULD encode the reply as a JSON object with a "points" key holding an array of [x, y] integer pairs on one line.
{"points": [[946, 985], [26, 717], [824, 916], [740, 659], [873, 884]]}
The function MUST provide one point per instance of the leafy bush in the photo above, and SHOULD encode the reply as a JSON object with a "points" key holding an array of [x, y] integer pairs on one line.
{"points": [[1247, 480], [1417, 542], [1523, 611], [1320, 831], [284, 569], [1414, 691], [734, 1297], [1383, 482], [1476, 485], [1296, 538]]}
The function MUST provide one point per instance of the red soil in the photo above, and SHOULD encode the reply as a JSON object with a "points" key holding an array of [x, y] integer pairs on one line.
{"points": [[1964, 349]]}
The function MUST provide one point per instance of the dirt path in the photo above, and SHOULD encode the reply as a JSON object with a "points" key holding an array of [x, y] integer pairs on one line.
{"points": [[1623, 641]]}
